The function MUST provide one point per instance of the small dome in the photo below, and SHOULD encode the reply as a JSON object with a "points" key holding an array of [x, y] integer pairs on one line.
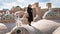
{"points": [[8, 17], [50, 14], [19, 30], [19, 13], [2, 26]]}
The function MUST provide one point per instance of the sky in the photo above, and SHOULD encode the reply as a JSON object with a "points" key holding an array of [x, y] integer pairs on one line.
{"points": [[8, 4]]}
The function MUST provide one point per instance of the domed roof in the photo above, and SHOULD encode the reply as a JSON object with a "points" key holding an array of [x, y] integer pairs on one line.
{"points": [[3, 26], [8, 16], [50, 13], [19, 13]]}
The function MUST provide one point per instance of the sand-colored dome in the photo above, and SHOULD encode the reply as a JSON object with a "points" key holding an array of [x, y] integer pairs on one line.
{"points": [[40, 27], [19, 13], [18, 30], [57, 31], [3, 28], [7, 18], [50, 14]]}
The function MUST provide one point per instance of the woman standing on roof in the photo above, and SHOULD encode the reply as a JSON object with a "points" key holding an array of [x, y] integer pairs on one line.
{"points": [[29, 11]]}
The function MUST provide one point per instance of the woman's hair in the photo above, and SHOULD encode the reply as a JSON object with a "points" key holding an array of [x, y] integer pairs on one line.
{"points": [[29, 5]]}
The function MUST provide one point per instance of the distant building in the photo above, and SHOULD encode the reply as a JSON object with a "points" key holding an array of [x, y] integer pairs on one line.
{"points": [[36, 10], [15, 9], [5, 9], [41, 12]]}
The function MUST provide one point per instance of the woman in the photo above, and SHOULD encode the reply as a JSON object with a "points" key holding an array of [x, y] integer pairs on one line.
{"points": [[29, 11]]}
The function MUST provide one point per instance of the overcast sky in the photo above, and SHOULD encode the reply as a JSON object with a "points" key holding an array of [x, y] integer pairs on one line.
{"points": [[8, 4]]}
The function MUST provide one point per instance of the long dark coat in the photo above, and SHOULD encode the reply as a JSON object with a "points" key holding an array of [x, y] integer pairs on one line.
{"points": [[29, 11]]}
